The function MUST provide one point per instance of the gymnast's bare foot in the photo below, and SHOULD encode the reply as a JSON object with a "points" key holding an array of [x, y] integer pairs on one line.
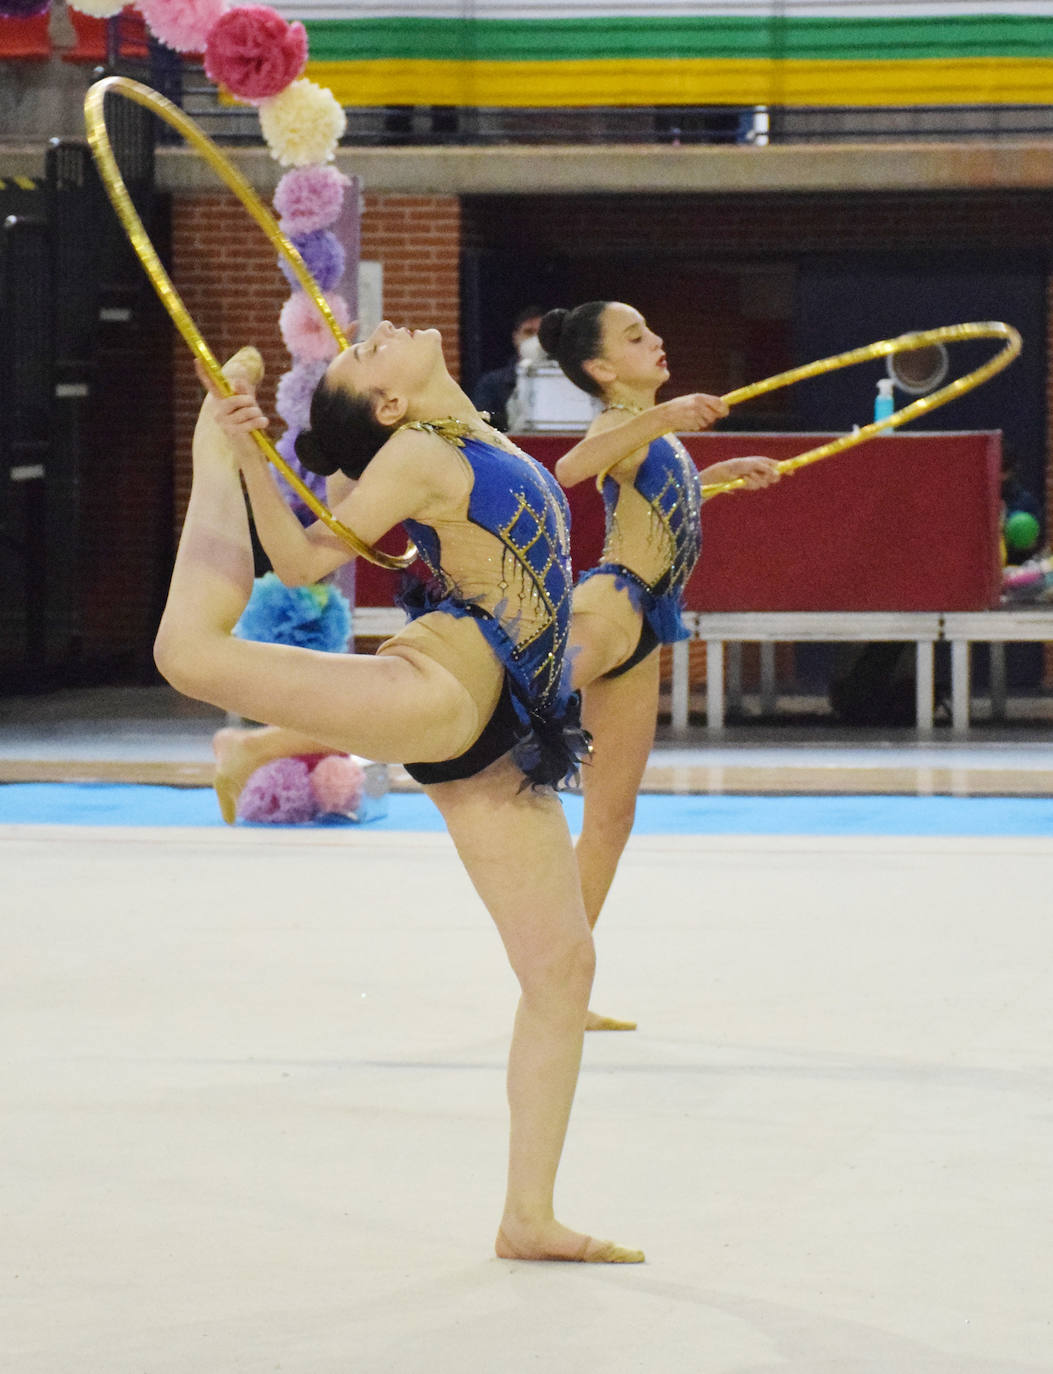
{"points": [[247, 363], [594, 1021], [551, 1241], [238, 755]]}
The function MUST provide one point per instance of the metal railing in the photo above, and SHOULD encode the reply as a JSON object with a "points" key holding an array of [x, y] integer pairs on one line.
{"points": [[452, 126]]}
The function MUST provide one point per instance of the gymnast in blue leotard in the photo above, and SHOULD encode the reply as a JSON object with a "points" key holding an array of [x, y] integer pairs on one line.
{"points": [[631, 603], [504, 561], [473, 690]]}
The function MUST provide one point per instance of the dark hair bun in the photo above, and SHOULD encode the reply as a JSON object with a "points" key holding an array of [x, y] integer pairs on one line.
{"points": [[310, 454], [550, 331]]}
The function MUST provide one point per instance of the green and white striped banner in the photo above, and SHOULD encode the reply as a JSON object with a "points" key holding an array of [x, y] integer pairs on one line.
{"points": [[675, 52]]}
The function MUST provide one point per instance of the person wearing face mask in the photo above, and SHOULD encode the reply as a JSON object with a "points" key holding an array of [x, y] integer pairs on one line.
{"points": [[473, 689], [631, 603], [493, 389]]}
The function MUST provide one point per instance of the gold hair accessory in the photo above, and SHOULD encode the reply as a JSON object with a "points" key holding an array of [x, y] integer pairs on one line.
{"points": [[102, 152], [904, 343]]}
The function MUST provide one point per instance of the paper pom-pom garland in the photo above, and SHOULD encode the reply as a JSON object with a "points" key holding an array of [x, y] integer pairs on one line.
{"points": [[304, 789], [259, 57], [286, 446], [324, 255], [254, 52], [294, 392], [309, 198], [302, 125], [182, 24], [305, 333]]}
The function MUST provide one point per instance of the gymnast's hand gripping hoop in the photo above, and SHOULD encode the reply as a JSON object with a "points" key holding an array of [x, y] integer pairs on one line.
{"points": [[102, 152], [904, 343]]}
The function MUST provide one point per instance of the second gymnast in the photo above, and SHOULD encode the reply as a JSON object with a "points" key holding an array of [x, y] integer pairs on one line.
{"points": [[631, 603]]}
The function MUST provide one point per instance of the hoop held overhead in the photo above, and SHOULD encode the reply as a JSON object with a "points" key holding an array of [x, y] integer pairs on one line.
{"points": [[99, 142], [903, 343]]}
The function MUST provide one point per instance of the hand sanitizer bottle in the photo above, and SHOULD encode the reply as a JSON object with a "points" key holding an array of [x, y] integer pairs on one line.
{"points": [[884, 403]]}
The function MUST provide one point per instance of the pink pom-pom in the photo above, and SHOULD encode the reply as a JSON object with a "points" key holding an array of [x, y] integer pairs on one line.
{"points": [[305, 332], [338, 783], [310, 198], [182, 24], [279, 793], [254, 53]]}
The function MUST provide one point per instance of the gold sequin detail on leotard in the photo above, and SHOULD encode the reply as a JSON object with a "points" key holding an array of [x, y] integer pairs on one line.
{"points": [[533, 537]]}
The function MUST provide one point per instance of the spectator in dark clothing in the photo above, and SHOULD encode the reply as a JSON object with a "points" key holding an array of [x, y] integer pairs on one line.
{"points": [[493, 389]]}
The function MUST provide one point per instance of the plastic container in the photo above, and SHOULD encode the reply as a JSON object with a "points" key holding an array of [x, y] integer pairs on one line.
{"points": [[884, 401]]}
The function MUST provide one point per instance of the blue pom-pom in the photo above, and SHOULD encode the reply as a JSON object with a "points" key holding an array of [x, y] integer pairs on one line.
{"points": [[316, 617]]}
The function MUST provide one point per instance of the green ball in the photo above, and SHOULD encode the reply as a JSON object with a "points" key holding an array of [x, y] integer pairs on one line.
{"points": [[1021, 531]]}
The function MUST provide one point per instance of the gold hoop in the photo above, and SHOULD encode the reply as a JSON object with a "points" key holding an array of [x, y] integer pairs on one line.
{"points": [[904, 343], [101, 150]]}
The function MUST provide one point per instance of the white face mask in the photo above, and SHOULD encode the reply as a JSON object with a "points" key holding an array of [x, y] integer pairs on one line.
{"points": [[530, 350]]}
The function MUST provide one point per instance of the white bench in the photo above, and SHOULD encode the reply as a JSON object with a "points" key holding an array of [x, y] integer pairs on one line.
{"points": [[996, 629], [961, 628], [376, 622], [768, 628]]}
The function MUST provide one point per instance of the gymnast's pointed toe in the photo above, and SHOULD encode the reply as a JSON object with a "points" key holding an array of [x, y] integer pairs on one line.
{"points": [[247, 363]]}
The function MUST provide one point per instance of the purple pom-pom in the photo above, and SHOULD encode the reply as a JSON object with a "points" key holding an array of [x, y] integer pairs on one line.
{"points": [[279, 793], [286, 446], [295, 389], [324, 256]]}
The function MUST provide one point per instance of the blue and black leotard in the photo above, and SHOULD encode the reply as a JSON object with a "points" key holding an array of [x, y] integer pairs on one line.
{"points": [[505, 562], [653, 540]]}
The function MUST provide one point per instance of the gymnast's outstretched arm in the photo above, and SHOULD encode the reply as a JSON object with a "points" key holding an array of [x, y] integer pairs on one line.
{"points": [[755, 472], [603, 447]]}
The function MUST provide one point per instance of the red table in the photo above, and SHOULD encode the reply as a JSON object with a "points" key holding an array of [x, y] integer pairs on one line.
{"points": [[908, 522]]}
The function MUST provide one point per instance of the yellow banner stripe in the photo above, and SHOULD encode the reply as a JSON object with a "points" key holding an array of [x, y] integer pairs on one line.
{"points": [[690, 81]]}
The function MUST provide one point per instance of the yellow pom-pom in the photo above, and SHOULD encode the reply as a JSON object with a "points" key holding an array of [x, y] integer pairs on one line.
{"points": [[302, 125], [99, 9]]}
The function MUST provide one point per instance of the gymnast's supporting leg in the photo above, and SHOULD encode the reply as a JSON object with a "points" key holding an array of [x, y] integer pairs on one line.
{"points": [[516, 849], [620, 714]]}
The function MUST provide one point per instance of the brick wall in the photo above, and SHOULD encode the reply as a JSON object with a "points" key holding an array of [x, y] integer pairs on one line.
{"points": [[418, 239], [225, 271]]}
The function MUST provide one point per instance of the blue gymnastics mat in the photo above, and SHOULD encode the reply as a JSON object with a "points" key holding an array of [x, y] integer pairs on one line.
{"points": [[657, 814]]}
